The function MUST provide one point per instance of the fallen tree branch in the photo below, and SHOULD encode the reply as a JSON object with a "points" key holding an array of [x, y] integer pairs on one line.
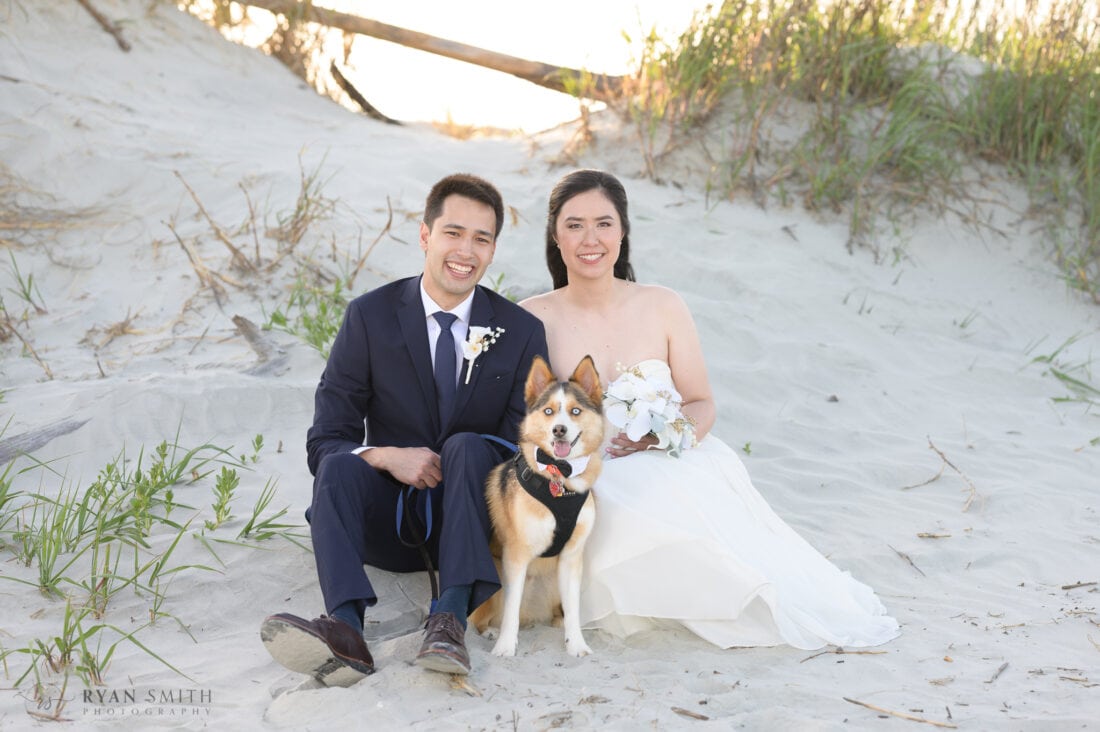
{"points": [[28, 442], [358, 98], [599, 87]]}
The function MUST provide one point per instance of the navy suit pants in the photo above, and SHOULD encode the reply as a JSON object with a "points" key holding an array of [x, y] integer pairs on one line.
{"points": [[353, 521]]}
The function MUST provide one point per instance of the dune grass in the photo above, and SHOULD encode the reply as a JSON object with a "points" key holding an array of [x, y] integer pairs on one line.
{"points": [[81, 546], [1076, 377], [902, 99], [894, 105], [25, 290], [313, 310]]}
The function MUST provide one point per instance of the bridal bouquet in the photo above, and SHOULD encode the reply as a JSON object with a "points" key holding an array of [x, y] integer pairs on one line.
{"points": [[641, 403]]}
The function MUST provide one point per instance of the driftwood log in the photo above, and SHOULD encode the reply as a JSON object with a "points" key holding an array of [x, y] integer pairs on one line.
{"points": [[28, 442], [599, 87]]}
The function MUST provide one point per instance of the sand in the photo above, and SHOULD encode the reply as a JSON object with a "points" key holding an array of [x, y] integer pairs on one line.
{"points": [[901, 412]]}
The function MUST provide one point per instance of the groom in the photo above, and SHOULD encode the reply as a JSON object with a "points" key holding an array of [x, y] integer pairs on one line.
{"points": [[396, 446]]}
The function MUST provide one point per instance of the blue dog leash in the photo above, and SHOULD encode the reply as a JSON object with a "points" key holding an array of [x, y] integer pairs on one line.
{"points": [[511, 446], [421, 543], [406, 493]]}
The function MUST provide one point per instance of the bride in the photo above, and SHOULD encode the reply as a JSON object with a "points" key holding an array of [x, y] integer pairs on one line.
{"points": [[684, 540]]}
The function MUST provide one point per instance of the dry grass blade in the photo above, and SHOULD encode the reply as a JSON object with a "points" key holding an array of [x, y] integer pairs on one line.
{"points": [[973, 490], [1079, 680], [252, 221], [459, 682], [310, 206], [55, 717], [905, 556], [1075, 585], [997, 674], [8, 327], [841, 652], [116, 330], [19, 221], [385, 229], [690, 714], [239, 260], [900, 715], [206, 277], [931, 480]]}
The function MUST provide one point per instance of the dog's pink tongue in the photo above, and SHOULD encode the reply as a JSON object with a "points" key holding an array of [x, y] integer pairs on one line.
{"points": [[561, 448]]}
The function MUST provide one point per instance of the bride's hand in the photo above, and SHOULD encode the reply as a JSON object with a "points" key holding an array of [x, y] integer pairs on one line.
{"points": [[622, 445]]}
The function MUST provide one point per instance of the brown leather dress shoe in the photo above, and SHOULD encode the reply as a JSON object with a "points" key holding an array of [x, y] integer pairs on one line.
{"points": [[327, 649], [444, 647]]}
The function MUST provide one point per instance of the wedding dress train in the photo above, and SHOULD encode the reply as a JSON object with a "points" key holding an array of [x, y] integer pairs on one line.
{"points": [[690, 540]]}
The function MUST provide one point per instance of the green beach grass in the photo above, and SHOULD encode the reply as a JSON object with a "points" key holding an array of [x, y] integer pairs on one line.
{"points": [[80, 546], [901, 99]]}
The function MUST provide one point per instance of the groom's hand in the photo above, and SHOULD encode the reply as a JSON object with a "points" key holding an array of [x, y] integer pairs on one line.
{"points": [[415, 466]]}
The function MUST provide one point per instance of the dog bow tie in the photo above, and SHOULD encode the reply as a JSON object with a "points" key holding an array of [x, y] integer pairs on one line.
{"points": [[565, 467]]}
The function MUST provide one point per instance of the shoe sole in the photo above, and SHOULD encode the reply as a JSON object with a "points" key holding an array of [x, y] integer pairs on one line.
{"points": [[441, 662], [299, 650]]}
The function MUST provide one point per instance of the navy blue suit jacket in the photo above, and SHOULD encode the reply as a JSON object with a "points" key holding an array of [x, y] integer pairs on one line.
{"points": [[378, 389]]}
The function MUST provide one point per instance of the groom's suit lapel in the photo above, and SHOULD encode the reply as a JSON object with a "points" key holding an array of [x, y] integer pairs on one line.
{"points": [[414, 330], [481, 314]]}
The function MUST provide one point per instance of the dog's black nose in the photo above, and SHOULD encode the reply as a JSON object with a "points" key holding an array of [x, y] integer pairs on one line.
{"points": [[559, 431]]}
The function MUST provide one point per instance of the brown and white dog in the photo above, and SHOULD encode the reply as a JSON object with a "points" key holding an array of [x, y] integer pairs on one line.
{"points": [[542, 509]]}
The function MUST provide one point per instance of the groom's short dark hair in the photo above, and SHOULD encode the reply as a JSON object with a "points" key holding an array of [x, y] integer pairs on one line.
{"points": [[470, 186]]}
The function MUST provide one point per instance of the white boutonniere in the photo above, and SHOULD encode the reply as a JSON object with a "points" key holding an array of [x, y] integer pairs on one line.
{"points": [[477, 342], [641, 404]]}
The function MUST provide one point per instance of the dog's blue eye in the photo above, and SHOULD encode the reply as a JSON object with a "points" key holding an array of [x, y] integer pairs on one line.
{"points": [[548, 411], [575, 411]]}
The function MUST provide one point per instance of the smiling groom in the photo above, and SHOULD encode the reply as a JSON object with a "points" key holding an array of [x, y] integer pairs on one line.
{"points": [[396, 446]]}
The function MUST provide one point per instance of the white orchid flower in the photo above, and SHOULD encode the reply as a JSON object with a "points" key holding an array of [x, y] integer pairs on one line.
{"points": [[477, 342], [643, 401]]}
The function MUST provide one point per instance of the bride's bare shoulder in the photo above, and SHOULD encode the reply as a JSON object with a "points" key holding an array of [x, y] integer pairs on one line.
{"points": [[656, 295], [540, 304]]}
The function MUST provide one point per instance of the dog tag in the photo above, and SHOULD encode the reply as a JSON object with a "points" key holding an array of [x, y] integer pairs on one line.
{"points": [[557, 482]]}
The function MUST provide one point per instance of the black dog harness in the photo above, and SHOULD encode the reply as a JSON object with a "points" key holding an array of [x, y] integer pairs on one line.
{"points": [[563, 503]]}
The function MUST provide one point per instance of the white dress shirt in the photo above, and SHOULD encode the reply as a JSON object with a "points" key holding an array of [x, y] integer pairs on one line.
{"points": [[459, 329]]}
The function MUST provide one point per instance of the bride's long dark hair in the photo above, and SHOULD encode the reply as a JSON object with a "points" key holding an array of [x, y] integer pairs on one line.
{"points": [[575, 183]]}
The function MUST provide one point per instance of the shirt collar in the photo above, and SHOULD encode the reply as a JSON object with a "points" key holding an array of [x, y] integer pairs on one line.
{"points": [[461, 311]]}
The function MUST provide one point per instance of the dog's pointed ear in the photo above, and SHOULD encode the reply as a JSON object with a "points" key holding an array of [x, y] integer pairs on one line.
{"points": [[589, 379], [538, 378]]}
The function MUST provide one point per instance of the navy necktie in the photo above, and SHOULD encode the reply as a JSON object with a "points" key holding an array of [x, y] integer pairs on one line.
{"points": [[446, 365]]}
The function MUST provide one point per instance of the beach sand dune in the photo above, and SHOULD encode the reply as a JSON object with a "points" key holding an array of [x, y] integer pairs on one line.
{"points": [[903, 416]]}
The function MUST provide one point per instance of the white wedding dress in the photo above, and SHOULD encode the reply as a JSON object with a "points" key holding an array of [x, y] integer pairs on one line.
{"points": [[688, 540]]}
